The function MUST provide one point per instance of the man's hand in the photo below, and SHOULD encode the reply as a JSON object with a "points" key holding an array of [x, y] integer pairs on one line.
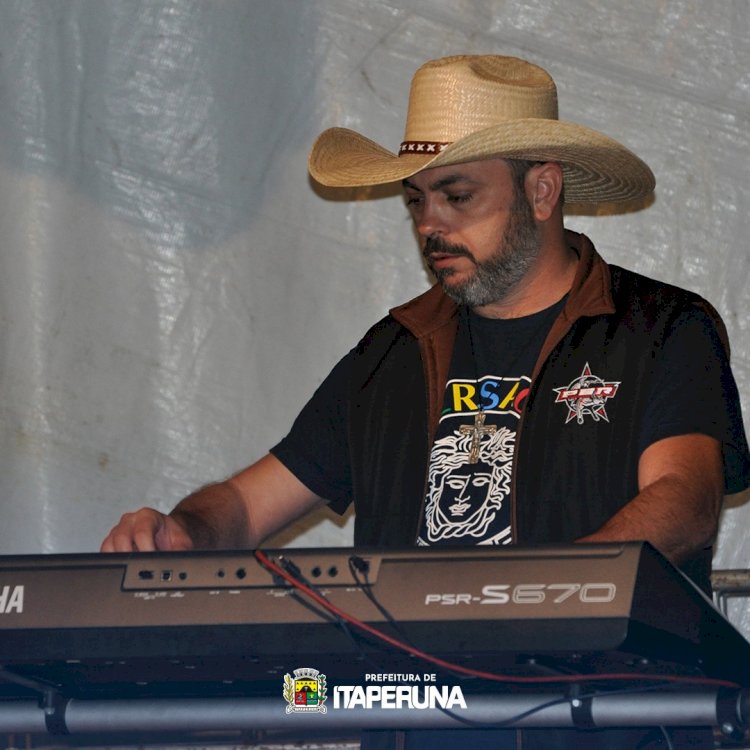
{"points": [[147, 530], [238, 513]]}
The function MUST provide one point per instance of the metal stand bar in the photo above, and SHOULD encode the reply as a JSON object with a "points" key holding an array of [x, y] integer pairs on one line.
{"points": [[555, 709], [728, 584]]}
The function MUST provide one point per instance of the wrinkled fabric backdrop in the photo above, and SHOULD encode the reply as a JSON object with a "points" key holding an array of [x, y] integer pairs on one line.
{"points": [[173, 287]]}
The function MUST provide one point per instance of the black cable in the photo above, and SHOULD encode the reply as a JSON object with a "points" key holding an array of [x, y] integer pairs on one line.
{"points": [[358, 565]]}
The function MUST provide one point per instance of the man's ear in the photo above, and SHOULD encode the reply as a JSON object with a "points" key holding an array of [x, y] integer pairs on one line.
{"points": [[544, 186]]}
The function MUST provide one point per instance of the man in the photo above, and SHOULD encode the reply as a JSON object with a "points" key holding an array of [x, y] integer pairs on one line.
{"points": [[535, 394]]}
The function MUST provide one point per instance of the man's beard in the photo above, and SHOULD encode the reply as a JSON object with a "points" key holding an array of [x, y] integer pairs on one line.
{"points": [[495, 277]]}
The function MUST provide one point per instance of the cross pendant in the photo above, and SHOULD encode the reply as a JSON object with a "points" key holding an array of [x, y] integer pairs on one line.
{"points": [[477, 430]]}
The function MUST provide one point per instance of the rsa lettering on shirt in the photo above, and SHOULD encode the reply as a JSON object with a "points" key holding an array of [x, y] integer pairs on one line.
{"points": [[492, 394]]}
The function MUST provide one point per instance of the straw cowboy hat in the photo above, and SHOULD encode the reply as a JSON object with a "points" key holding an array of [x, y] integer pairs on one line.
{"points": [[472, 107]]}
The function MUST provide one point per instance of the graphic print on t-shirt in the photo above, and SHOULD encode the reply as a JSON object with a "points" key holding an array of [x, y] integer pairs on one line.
{"points": [[469, 481], [468, 495]]}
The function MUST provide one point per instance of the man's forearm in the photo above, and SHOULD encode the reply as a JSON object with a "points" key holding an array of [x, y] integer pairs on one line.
{"points": [[215, 517], [678, 527], [678, 505]]}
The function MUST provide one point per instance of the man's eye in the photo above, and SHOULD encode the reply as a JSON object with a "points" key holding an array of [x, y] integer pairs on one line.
{"points": [[413, 200], [460, 198]]}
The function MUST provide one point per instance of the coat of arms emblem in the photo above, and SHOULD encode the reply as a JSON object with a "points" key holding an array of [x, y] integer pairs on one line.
{"points": [[305, 691]]}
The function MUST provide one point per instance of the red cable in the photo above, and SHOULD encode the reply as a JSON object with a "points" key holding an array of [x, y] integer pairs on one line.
{"points": [[267, 563]]}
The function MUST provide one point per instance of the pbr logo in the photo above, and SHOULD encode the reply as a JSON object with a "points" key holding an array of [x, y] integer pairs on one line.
{"points": [[305, 692], [586, 396]]}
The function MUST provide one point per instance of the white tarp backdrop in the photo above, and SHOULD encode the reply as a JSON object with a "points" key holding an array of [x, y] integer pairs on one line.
{"points": [[173, 287]]}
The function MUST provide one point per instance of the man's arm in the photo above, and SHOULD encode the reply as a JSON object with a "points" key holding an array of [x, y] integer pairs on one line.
{"points": [[681, 485], [239, 512]]}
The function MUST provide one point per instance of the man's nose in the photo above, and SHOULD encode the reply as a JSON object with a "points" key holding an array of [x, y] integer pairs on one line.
{"points": [[431, 219]]}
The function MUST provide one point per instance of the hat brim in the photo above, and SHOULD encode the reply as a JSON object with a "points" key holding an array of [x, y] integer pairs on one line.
{"points": [[597, 168]]}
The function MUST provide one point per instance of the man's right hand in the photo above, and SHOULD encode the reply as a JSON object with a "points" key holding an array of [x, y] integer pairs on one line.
{"points": [[238, 513], [146, 530]]}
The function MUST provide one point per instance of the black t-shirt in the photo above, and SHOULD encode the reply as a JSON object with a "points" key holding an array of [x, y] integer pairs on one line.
{"points": [[468, 489], [693, 392]]}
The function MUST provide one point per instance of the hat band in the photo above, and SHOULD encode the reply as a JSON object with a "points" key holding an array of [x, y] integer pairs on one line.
{"points": [[422, 147]]}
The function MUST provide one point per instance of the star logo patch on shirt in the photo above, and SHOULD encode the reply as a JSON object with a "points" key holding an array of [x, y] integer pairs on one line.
{"points": [[587, 395]]}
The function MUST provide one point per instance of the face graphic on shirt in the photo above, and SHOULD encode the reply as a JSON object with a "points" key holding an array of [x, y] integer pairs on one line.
{"points": [[463, 498], [467, 488]]}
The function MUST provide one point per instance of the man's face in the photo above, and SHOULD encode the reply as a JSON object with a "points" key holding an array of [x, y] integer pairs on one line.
{"points": [[476, 228]]}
